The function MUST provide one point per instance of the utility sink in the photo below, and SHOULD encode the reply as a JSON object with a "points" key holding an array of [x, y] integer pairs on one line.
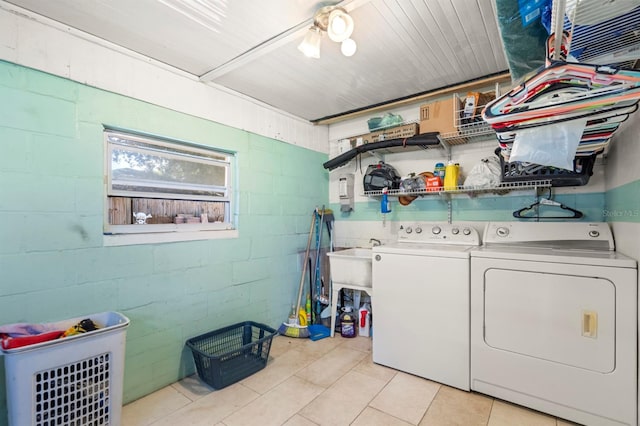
{"points": [[351, 266]]}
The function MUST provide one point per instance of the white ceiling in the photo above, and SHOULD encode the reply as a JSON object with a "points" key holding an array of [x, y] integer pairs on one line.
{"points": [[405, 47]]}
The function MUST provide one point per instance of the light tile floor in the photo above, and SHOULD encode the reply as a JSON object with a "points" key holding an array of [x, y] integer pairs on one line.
{"points": [[333, 382]]}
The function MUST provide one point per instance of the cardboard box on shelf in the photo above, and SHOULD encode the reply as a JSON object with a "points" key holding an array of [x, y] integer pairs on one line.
{"points": [[361, 139], [438, 116], [406, 131], [469, 108], [399, 132]]}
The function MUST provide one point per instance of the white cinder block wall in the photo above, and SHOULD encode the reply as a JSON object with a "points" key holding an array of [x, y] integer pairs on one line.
{"points": [[33, 41]]}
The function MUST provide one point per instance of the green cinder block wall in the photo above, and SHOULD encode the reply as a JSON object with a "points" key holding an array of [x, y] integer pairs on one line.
{"points": [[53, 264], [623, 203]]}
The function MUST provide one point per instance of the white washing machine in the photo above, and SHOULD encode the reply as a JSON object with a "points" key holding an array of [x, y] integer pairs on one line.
{"points": [[554, 321], [421, 309]]}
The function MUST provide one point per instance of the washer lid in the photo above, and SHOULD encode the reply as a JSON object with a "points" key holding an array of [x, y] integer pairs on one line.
{"points": [[561, 235], [552, 255], [419, 249]]}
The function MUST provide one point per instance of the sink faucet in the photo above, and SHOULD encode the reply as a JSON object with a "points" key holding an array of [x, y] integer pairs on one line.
{"points": [[375, 242]]}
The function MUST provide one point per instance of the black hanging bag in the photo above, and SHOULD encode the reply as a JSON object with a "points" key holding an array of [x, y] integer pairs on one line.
{"points": [[379, 176]]}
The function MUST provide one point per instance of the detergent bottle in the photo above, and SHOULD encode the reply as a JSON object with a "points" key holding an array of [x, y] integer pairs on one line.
{"points": [[451, 174]]}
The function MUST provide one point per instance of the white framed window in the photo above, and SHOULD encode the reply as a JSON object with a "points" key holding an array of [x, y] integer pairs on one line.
{"points": [[157, 185]]}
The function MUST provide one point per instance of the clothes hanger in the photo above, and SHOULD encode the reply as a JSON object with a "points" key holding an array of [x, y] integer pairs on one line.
{"points": [[577, 214], [608, 89]]}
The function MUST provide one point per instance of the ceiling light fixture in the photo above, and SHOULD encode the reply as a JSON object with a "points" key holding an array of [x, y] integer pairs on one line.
{"points": [[348, 47], [310, 46], [338, 25]]}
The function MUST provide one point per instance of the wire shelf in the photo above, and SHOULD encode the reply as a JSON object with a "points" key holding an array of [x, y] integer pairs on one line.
{"points": [[510, 186], [469, 133]]}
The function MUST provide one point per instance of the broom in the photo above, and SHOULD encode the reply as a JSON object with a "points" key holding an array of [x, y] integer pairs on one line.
{"points": [[294, 329]]}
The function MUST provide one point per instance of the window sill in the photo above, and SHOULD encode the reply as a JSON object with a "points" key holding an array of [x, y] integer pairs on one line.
{"points": [[125, 239]]}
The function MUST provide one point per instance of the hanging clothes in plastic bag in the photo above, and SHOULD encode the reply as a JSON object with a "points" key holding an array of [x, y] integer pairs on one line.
{"points": [[486, 174], [522, 34], [553, 145]]}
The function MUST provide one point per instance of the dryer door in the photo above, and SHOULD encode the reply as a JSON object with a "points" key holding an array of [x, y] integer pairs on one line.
{"points": [[560, 318]]}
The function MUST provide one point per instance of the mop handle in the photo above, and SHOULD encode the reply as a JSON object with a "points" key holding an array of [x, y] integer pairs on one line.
{"points": [[318, 273], [304, 264]]}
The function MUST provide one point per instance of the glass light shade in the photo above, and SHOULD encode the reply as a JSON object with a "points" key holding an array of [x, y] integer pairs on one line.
{"points": [[348, 47], [310, 46], [340, 25]]}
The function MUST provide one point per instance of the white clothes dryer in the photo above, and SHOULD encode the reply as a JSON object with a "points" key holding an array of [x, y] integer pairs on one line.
{"points": [[421, 310], [554, 321]]}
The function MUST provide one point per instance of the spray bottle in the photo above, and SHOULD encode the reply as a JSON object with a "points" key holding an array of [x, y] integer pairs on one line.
{"points": [[385, 205]]}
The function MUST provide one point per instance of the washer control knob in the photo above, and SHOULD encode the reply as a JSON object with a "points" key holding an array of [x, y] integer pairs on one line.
{"points": [[436, 230], [378, 258], [594, 233], [408, 230], [466, 231], [502, 231], [418, 230], [455, 231]]}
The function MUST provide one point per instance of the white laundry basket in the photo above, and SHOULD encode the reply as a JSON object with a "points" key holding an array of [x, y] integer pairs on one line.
{"points": [[72, 381]]}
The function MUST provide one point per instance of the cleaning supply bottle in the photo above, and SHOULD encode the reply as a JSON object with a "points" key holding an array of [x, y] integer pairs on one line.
{"points": [[439, 171], [451, 176], [348, 323], [302, 318], [308, 308], [385, 206], [364, 321], [293, 315]]}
